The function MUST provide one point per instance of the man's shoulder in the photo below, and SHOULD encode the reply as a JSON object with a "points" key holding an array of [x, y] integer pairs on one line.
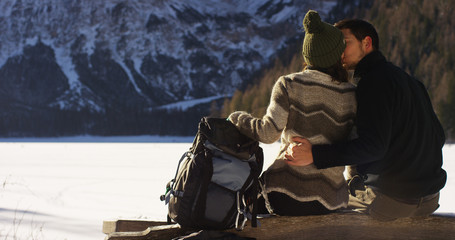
{"points": [[379, 71], [373, 64]]}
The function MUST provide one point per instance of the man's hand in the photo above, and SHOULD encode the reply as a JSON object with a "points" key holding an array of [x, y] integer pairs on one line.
{"points": [[299, 154]]}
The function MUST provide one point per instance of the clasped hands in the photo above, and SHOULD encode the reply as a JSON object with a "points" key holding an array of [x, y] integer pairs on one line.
{"points": [[299, 153]]}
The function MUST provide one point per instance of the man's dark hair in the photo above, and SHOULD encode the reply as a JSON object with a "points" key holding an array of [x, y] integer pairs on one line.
{"points": [[360, 29]]}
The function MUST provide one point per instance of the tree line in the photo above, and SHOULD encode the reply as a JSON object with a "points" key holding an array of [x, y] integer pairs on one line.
{"points": [[415, 35], [58, 123]]}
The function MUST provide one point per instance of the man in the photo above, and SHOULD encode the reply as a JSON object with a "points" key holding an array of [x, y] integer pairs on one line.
{"points": [[398, 151]]}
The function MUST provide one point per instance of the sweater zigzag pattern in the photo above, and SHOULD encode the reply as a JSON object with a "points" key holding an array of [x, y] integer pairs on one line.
{"points": [[308, 104]]}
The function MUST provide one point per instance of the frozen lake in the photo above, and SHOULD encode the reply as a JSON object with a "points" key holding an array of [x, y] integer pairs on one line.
{"points": [[66, 190]]}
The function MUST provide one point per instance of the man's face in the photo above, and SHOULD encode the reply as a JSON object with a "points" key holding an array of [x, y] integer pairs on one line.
{"points": [[353, 52]]}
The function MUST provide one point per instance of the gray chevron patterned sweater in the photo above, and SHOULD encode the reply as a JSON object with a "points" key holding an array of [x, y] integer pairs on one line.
{"points": [[307, 104]]}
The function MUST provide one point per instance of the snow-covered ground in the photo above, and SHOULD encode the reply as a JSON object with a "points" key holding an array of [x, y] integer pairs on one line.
{"points": [[66, 190]]}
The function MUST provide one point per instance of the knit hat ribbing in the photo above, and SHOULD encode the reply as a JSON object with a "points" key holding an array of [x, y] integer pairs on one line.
{"points": [[323, 43]]}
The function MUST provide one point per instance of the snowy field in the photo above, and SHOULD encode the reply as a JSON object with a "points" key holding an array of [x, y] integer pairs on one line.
{"points": [[66, 190]]}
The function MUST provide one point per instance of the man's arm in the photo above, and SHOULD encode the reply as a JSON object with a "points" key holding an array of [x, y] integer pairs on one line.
{"points": [[374, 124]]}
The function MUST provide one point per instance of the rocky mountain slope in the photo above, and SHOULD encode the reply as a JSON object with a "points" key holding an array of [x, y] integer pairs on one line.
{"points": [[85, 59]]}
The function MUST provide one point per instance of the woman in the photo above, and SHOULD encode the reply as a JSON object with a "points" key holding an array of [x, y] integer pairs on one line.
{"points": [[318, 104]]}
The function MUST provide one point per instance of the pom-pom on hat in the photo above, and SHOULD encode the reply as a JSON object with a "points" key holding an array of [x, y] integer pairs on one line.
{"points": [[323, 43]]}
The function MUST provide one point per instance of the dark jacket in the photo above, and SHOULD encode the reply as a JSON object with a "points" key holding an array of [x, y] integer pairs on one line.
{"points": [[399, 148]]}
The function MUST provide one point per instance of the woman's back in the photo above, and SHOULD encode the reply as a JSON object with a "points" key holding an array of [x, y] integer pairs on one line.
{"points": [[320, 109], [312, 105]]}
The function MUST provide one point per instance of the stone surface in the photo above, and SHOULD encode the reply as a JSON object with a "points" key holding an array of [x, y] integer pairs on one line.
{"points": [[332, 226]]}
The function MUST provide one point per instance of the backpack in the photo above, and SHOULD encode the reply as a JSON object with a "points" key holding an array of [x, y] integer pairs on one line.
{"points": [[216, 182]]}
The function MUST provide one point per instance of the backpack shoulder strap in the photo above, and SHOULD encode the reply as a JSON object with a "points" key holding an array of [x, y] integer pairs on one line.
{"points": [[170, 188]]}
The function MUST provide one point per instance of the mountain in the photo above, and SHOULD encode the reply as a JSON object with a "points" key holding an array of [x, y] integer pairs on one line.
{"points": [[122, 66]]}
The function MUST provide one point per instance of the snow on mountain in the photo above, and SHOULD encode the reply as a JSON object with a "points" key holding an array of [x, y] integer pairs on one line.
{"points": [[102, 55], [188, 49], [184, 105]]}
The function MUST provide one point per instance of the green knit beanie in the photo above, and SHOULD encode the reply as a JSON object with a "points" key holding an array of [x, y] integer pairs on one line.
{"points": [[323, 43]]}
